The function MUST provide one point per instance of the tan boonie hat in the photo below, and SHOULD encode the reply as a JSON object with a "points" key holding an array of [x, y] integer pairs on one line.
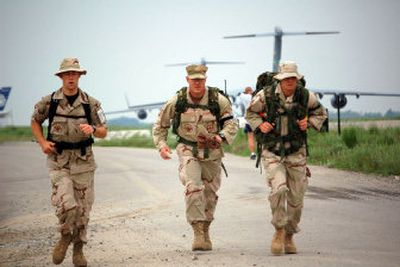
{"points": [[70, 64], [288, 69], [196, 71]]}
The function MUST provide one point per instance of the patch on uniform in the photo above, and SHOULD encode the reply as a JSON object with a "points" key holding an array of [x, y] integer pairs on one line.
{"points": [[56, 128], [210, 127], [189, 128], [102, 116]]}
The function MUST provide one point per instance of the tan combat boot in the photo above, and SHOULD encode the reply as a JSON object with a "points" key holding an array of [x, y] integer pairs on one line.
{"points": [[78, 259], [290, 247], [207, 240], [277, 244], [198, 230], [61, 248]]}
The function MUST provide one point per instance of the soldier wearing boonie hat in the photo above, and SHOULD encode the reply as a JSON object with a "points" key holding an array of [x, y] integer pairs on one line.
{"points": [[279, 114], [70, 64], [202, 118], [288, 69], [74, 117]]}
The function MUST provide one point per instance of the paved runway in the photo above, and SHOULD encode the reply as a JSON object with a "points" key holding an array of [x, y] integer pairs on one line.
{"points": [[138, 218]]}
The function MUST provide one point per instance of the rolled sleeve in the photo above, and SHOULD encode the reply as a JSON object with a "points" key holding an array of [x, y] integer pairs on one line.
{"points": [[163, 123], [317, 113], [256, 106], [230, 126], [41, 110]]}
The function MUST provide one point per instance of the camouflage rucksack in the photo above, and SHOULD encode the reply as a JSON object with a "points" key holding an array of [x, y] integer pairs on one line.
{"points": [[267, 79], [268, 83]]}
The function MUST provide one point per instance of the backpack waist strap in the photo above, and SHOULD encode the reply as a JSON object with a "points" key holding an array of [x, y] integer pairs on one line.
{"points": [[82, 145]]}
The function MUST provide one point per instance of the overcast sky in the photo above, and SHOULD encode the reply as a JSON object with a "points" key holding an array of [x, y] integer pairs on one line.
{"points": [[124, 45]]}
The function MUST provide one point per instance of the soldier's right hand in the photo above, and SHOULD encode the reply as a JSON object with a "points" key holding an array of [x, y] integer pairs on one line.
{"points": [[165, 152], [266, 127], [48, 147]]}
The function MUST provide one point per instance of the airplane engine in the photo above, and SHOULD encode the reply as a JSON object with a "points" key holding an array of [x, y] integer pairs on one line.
{"points": [[142, 114], [338, 101]]}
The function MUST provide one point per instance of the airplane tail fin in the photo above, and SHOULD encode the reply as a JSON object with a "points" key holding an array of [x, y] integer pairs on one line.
{"points": [[127, 100], [4, 93]]}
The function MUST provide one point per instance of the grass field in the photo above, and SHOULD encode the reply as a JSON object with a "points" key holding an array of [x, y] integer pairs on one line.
{"points": [[372, 150]]}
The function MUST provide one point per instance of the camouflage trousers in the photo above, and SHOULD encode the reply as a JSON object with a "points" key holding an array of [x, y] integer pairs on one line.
{"points": [[288, 182], [73, 197], [201, 179]]}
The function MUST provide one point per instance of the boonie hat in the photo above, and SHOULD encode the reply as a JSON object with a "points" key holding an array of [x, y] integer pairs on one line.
{"points": [[196, 71], [288, 69], [70, 64]]}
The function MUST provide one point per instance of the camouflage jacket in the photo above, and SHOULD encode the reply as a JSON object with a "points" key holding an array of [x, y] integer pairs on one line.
{"points": [[196, 122], [316, 112], [67, 130]]}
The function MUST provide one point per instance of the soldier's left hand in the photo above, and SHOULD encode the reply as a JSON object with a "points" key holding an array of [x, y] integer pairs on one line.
{"points": [[303, 124], [86, 129]]}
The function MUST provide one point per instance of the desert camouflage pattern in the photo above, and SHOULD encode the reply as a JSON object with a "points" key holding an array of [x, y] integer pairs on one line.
{"points": [[71, 173], [200, 175], [288, 183], [286, 176], [73, 197], [201, 179]]}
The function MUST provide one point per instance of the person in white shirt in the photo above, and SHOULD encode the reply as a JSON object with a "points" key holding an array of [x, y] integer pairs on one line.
{"points": [[244, 100]]}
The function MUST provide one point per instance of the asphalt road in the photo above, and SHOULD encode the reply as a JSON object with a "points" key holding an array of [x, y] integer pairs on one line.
{"points": [[138, 218]]}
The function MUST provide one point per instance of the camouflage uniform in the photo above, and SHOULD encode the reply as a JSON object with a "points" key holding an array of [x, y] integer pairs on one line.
{"points": [[71, 171], [199, 171], [286, 176]]}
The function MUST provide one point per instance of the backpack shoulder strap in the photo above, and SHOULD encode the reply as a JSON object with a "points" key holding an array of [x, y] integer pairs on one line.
{"points": [[86, 107], [180, 107], [301, 96], [52, 113], [181, 102], [213, 103], [271, 104]]}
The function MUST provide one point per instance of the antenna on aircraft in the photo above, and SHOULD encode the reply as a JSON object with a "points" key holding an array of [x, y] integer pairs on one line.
{"points": [[205, 62], [277, 34]]}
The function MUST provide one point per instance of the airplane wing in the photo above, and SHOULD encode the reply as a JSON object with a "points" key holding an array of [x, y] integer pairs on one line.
{"points": [[268, 34], [204, 62], [339, 99], [354, 93], [138, 108], [141, 110]]}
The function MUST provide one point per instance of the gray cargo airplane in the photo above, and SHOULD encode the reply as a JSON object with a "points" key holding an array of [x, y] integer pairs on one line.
{"points": [[141, 110], [339, 99]]}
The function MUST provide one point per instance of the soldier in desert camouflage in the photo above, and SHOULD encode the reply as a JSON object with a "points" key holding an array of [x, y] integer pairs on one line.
{"points": [[279, 114], [202, 118], [74, 117]]}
